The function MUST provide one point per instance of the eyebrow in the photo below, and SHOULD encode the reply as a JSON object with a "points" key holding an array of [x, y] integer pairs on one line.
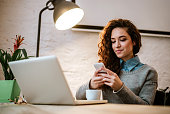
{"points": [[120, 36]]}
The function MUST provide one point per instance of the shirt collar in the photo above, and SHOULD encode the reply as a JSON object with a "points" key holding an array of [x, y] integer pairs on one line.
{"points": [[131, 63]]}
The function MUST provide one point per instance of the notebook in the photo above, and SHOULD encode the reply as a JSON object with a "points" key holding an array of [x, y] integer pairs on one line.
{"points": [[42, 81]]}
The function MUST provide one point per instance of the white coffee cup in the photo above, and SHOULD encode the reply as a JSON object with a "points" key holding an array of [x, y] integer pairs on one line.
{"points": [[93, 94]]}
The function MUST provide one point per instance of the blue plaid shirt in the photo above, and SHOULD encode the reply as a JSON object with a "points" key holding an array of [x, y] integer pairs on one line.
{"points": [[131, 64]]}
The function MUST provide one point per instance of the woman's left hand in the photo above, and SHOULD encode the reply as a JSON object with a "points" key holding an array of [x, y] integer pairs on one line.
{"points": [[111, 79]]}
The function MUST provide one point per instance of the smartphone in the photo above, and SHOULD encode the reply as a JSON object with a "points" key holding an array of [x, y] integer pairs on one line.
{"points": [[98, 66]]}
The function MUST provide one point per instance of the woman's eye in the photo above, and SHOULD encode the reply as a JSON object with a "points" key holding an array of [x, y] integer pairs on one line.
{"points": [[113, 41], [123, 39]]}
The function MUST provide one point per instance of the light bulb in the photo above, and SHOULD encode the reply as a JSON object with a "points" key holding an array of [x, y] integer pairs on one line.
{"points": [[69, 19]]}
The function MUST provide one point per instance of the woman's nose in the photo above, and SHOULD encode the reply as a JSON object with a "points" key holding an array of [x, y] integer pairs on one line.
{"points": [[118, 44]]}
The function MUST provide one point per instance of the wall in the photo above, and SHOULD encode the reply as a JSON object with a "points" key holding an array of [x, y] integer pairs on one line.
{"points": [[145, 14], [77, 51]]}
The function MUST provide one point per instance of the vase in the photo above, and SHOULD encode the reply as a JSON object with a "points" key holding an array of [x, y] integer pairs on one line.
{"points": [[9, 90]]}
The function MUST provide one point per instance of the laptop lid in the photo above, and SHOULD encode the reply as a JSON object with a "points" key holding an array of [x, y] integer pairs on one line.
{"points": [[42, 80]]}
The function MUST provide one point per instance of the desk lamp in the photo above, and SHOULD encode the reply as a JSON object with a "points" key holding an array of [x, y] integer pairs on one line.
{"points": [[66, 15]]}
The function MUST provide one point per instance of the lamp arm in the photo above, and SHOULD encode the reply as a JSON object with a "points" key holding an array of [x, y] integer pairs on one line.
{"points": [[39, 29], [48, 4]]}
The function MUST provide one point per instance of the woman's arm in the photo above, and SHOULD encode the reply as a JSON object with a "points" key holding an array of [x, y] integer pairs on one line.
{"points": [[95, 83], [81, 92], [147, 93]]}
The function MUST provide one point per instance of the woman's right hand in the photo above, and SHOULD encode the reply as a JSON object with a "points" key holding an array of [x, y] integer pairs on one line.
{"points": [[97, 80]]}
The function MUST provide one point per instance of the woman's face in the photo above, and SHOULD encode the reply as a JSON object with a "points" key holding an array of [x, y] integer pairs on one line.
{"points": [[122, 43]]}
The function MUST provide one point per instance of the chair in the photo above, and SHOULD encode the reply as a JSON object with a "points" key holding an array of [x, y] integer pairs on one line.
{"points": [[162, 97]]}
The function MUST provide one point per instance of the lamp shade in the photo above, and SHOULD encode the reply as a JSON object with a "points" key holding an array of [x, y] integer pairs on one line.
{"points": [[66, 14]]}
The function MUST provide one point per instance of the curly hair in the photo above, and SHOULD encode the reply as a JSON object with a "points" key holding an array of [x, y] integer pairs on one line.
{"points": [[106, 53]]}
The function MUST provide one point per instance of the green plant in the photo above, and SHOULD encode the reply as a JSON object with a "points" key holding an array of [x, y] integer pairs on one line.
{"points": [[7, 56]]}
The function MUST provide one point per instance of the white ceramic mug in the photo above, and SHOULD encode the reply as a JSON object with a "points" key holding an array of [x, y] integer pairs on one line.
{"points": [[93, 94]]}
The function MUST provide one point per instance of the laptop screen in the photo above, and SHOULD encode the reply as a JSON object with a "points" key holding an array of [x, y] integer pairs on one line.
{"points": [[42, 80]]}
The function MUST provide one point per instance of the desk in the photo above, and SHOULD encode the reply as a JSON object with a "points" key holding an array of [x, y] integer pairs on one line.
{"points": [[83, 109]]}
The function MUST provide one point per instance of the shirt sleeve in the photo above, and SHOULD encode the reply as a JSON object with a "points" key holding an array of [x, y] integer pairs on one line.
{"points": [[81, 92], [147, 93]]}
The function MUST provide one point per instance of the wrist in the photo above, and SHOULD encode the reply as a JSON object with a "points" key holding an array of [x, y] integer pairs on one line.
{"points": [[121, 87]]}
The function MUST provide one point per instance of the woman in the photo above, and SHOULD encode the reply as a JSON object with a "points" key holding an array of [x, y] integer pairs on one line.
{"points": [[127, 80]]}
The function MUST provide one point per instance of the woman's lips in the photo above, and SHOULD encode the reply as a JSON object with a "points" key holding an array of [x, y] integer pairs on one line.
{"points": [[119, 51]]}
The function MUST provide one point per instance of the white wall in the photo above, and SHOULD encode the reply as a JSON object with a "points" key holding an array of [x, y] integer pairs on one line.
{"points": [[145, 14], [77, 51]]}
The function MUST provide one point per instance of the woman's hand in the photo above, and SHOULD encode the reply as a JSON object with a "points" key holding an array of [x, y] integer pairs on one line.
{"points": [[111, 79], [97, 80]]}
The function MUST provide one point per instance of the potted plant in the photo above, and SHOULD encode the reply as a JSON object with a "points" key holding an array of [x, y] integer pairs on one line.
{"points": [[9, 89]]}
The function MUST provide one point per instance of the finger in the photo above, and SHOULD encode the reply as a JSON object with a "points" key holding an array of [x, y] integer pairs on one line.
{"points": [[102, 83], [111, 77], [97, 72], [102, 75], [101, 70], [106, 80], [107, 83], [98, 82], [97, 78], [111, 81], [109, 72]]}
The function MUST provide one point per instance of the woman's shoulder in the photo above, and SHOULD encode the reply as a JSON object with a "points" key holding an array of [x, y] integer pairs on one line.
{"points": [[149, 71], [149, 68]]}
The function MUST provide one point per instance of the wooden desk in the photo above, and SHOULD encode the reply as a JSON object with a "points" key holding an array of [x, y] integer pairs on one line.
{"points": [[83, 109]]}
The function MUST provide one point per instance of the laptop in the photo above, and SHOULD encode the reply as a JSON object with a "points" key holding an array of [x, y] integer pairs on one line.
{"points": [[42, 81]]}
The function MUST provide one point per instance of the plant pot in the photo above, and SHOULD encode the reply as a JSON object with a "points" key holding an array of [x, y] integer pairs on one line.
{"points": [[9, 89]]}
